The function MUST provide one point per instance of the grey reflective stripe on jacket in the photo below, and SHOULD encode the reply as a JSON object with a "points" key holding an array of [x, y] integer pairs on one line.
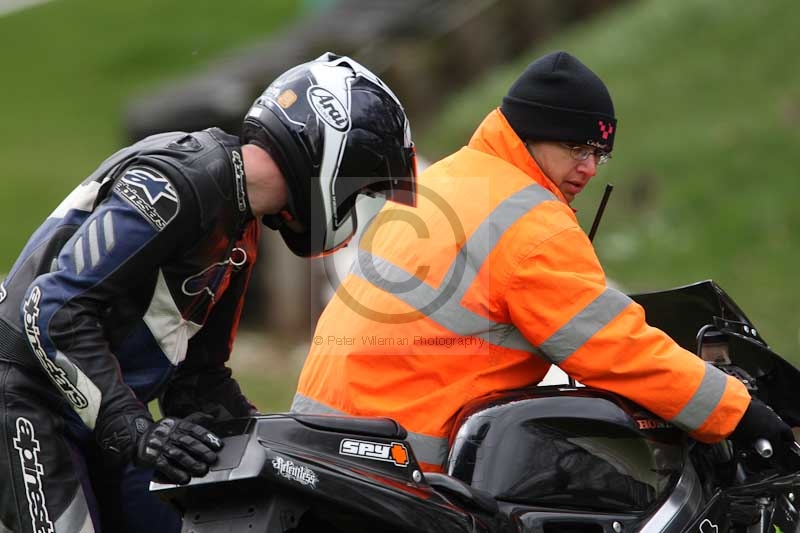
{"points": [[443, 305], [427, 449], [583, 326], [704, 401]]}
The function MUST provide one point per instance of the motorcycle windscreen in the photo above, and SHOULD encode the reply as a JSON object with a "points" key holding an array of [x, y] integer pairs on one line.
{"points": [[587, 465]]}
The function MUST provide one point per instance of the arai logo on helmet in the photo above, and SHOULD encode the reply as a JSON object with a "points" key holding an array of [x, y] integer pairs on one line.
{"points": [[329, 108]]}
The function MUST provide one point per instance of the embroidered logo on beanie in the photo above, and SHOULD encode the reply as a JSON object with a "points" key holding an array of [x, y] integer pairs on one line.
{"points": [[605, 129]]}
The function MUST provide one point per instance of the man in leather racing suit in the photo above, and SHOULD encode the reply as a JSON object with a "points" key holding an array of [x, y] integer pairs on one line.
{"points": [[132, 289]]}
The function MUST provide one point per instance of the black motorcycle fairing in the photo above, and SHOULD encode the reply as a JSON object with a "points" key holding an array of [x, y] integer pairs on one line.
{"points": [[578, 449], [776, 382], [683, 311], [280, 474]]}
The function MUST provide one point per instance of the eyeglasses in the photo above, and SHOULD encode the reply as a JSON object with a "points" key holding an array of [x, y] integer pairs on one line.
{"points": [[579, 152]]}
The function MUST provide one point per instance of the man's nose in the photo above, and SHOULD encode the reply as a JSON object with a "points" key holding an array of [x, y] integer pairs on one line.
{"points": [[589, 166]]}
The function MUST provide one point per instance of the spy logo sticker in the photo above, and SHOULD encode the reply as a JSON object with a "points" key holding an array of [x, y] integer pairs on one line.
{"points": [[395, 452]]}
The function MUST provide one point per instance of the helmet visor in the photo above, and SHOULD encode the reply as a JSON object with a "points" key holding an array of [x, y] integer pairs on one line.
{"points": [[402, 188]]}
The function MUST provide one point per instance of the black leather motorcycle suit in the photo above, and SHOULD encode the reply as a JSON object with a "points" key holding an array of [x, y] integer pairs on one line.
{"points": [[140, 270]]}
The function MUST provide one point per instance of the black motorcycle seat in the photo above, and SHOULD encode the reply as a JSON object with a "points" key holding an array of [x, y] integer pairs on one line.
{"points": [[358, 425]]}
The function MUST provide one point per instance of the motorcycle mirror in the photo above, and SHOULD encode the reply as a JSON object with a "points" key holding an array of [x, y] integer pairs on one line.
{"points": [[712, 345]]}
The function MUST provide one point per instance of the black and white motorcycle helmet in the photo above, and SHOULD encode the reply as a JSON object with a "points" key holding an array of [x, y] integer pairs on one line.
{"points": [[335, 130]]}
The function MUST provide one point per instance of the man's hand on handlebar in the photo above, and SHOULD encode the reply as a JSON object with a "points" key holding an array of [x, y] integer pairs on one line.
{"points": [[762, 430]]}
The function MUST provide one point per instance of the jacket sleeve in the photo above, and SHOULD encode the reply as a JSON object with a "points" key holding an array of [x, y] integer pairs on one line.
{"points": [[558, 298], [117, 249], [203, 382]]}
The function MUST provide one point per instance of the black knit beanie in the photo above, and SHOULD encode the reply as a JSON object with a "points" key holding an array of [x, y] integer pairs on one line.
{"points": [[558, 98]]}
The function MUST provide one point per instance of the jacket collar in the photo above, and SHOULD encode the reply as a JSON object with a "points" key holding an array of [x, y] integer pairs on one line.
{"points": [[496, 137]]}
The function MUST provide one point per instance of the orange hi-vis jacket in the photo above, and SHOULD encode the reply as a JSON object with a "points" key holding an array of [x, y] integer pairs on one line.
{"points": [[480, 288]]}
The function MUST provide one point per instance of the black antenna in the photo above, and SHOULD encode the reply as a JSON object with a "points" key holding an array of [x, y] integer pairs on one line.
{"points": [[600, 209], [599, 215]]}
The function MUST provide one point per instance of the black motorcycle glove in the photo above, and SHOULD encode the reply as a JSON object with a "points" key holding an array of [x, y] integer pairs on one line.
{"points": [[761, 422], [120, 434], [176, 449]]}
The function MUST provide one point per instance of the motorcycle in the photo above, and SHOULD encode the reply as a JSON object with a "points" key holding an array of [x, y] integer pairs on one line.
{"points": [[556, 458]]}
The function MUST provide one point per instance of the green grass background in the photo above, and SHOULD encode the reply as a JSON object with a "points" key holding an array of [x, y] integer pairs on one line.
{"points": [[706, 162]]}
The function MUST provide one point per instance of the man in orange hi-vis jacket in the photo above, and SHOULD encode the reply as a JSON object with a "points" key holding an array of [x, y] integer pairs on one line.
{"points": [[490, 280]]}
